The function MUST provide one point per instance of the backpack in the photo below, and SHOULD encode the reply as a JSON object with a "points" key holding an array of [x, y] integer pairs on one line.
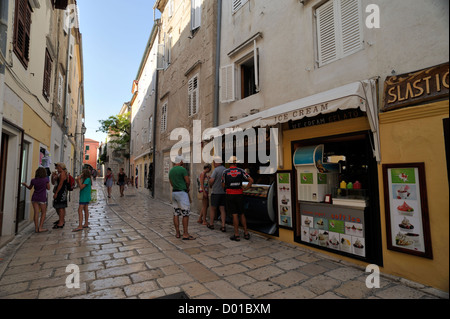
{"points": [[71, 186]]}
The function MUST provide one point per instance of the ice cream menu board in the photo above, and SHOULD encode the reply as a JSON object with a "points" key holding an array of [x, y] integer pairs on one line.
{"points": [[339, 228], [406, 209], [284, 192]]}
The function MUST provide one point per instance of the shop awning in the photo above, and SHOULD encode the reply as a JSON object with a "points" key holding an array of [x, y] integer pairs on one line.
{"points": [[361, 94]]}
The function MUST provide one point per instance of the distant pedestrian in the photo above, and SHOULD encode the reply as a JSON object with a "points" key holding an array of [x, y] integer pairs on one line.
{"points": [[203, 189], [121, 178], [39, 200], [60, 179], [232, 180], [109, 181], [217, 194], [84, 182], [180, 182], [94, 174]]}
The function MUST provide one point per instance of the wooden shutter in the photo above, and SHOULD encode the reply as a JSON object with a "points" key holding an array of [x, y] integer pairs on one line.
{"points": [[351, 26], [227, 89], [326, 33], [47, 75], [193, 95], [22, 31]]}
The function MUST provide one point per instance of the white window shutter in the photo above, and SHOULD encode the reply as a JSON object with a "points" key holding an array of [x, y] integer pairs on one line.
{"points": [[327, 33], [237, 4], [160, 64], [168, 50], [351, 25], [196, 14], [150, 129], [60, 89], [227, 89], [164, 118], [193, 96]]}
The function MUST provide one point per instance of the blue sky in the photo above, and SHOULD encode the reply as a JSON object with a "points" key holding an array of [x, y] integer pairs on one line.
{"points": [[115, 33]]}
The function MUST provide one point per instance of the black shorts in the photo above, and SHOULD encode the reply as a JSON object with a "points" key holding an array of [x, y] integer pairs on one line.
{"points": [[235, 204], [218, 200]]}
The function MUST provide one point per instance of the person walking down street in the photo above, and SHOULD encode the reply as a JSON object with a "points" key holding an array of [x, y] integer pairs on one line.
{"points": [[232, 180], [109, 181], [121, 180], [203, 186], [217, 194], [84, 182], [60, 179], [180, 182], [41, 184]]}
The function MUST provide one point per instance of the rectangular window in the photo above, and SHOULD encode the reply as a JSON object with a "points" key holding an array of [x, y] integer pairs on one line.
{"points": [[193, 95], [249, 81], [47, 75], [22, 27], [164, 55], [86, 157], [87, 148], [240, 80], [196, 14], [339, 30], [164, 118]]}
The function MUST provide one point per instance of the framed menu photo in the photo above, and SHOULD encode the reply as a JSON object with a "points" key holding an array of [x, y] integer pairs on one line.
{"points": [[406, 206], [284, 196]]}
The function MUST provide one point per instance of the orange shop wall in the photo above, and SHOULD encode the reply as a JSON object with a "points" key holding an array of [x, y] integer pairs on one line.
{"points": [[416, 135]]}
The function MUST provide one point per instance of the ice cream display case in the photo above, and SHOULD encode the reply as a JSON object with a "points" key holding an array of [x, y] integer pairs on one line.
{"points": [[315, 179], [259, 208]]}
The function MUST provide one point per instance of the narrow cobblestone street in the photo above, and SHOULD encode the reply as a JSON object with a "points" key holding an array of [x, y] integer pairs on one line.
{"points": [[130, 251]]}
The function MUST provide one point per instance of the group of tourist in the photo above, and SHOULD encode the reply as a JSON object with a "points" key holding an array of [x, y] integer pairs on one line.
{"points": [[61, 181], [223, 189]]}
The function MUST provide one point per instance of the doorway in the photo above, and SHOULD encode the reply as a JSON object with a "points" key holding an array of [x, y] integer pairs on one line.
{"points": [[3, 165]]}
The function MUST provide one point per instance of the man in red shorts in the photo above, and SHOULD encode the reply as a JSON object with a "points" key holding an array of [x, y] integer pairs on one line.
{"points": [[232, 180]]}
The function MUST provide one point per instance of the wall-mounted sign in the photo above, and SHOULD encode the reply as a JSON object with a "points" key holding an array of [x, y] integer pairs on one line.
{"points": [[416, 87], [407, 220], [284, 195]]}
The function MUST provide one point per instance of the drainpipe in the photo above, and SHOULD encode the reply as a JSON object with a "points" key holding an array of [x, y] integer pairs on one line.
{"points": [[217, 81]]}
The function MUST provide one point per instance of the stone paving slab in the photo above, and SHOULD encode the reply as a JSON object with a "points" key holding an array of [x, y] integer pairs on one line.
{"points": [[130, 251]]}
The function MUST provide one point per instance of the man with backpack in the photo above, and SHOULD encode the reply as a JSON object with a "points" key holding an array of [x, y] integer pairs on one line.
{"points": [[232, 180]]}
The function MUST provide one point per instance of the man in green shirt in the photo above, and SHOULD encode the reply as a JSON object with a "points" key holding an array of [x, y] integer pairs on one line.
{"points": [[180, 182]]}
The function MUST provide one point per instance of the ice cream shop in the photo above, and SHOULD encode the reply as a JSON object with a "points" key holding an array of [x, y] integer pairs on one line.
{"points": [[368, 187]]}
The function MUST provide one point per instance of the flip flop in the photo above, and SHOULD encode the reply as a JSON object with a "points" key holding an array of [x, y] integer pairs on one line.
{"points": [[77, 230], [235, 238], [189, 238]]}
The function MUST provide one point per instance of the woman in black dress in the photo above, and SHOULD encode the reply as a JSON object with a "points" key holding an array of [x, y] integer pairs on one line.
{"points": [[60, 193], [121, 178]]}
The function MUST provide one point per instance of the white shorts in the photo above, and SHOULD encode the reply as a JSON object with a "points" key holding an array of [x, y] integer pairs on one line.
{"points": [[181, 204]]}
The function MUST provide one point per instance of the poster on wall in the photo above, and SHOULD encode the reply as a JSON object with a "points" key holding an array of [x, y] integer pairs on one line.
{"points": [[342, 230], [407, 220], [284, 204]]}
